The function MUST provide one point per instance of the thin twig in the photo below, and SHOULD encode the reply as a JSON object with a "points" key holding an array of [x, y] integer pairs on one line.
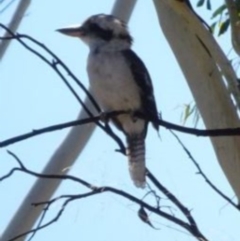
{"points": [[53, 64], [171, 197], [200, 171], [5, 8], [97, 190], [57, 61], [55, 219], [14, 23]]}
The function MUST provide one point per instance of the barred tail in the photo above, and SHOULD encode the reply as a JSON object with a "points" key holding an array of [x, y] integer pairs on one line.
{"points": [[136, 157]]}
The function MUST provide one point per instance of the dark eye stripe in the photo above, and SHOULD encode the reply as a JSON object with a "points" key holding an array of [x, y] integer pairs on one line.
{"points": [[100, 32], [125, 37], [105, 34]]}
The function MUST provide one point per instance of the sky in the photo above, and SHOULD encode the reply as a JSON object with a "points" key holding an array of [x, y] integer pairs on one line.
{"points": [[33, 96]]}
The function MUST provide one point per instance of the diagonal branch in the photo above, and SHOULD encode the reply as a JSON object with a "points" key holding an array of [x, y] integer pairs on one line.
{"points": [[174, 200], [56, 59], [191, 228], [14, 23], [200, 171], [55, 219], [53, 64]]}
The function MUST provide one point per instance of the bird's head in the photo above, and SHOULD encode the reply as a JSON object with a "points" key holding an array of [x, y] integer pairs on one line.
{"points": [[101, 30]]}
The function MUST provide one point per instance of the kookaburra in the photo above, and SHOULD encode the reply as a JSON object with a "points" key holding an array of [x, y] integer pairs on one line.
{"points": [[120, 82]]}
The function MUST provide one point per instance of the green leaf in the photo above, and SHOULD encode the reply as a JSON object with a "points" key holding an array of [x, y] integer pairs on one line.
{"points": [[223, 27], [190, 111], [219, 10], [209, 7], [186, 114], [200, 3], [213, 25]]}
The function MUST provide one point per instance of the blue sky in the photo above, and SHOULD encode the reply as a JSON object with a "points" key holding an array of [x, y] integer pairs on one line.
{"points": [[33, 96]]}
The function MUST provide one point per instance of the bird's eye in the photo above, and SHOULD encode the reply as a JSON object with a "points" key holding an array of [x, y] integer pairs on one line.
{"points": [[100, 32]]}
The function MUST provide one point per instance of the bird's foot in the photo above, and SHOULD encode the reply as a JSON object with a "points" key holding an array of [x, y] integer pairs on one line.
{"points": [[104, 117]]}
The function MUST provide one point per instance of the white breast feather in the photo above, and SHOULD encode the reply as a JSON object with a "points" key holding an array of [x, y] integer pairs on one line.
{"points": [[114, 87]]}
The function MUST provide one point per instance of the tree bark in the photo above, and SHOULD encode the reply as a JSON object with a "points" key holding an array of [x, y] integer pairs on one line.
{"points": [[205, 68]]}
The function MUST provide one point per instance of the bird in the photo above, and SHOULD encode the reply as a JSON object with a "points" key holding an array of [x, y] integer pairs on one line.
{"points": [[120, 82]]}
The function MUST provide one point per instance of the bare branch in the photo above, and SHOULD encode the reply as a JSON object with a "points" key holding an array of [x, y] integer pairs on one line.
{"points": [[14, 23], [46, 130], [5, 8], [171, 197], [55, 219], [200, 171], [56, 60], [53, 64], [9, 173], [168, 125], [192, 227]]}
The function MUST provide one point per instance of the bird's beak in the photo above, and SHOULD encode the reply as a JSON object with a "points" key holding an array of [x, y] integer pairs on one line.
{"points": [[74, 31]]}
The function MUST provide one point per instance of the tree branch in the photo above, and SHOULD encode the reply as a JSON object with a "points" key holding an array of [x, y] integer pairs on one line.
{"points": [[94, 119], [14, 23], [53, 64], [70, 198], [191, 228], [56, 60], [200, 171], [174, 200]]}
